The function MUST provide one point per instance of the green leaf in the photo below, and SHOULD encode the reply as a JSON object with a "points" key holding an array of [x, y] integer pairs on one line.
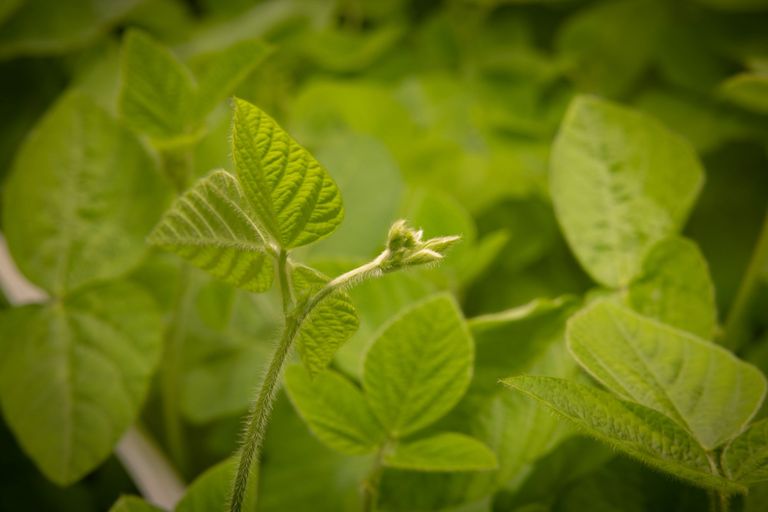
{"points": [[447, 451], [158, 93], [605, 47], [133, 504], [674, 287], [332, 321], [210, 491], [746, 458], [212, 226], [335, 410], [219, 72], [81, 198], [631, 428], [620, 182], [37, 27], [700, 385], [419, 366], [748, 90], [296, 199], [74, 374]]}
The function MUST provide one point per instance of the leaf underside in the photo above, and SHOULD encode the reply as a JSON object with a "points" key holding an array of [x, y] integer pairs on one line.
{"points": [[211, 226]]}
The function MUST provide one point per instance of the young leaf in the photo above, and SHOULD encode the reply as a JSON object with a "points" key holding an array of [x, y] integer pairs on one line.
{"points": [[82, 197], [668, 370], [158, 92], [634, 429], [295, 198], [674, 287], [335, 410], [441, 452], [332, 322], [73, 374], [419, 366], [133, 504], [212, 227], [746, 458], [620, 182]]}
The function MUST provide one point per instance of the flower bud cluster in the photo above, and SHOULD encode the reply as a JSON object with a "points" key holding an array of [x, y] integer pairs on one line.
{"points": [[406, 248]]}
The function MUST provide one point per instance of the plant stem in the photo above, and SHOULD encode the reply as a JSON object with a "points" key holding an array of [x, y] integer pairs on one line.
{"points": [[734, 334], [258, 417], [372, 481], [170, 376]]}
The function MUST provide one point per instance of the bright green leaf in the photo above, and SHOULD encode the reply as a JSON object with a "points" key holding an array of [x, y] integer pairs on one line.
{"points": [[157, 95], [674, 287], [133, 504], [631, 428], [81, 199], [335, 410], [295, 198], [746, 458], [419, 366], [620, 182], [74, 374], [212, 226], [330, 323], [668, 370], [447, 451]]}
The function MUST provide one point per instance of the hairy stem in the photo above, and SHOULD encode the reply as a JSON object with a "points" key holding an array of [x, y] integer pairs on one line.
{"points": [[734, 332], [258, 417]]}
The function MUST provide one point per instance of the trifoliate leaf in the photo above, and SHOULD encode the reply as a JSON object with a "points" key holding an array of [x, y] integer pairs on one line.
{"points": [[746, 458]]}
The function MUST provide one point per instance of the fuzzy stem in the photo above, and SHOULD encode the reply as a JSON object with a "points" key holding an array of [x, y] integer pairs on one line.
{"points": [[737, 316], [258, 418]]}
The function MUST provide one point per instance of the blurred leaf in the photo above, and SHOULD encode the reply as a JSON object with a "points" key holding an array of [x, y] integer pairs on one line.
{"points": [[213, 227], [633, 429], [218, 73], [674, 287], [228, 337], [736, 5], [620, 182], [608, 45], [335, 410], [100, 198], [39, 27], [668, 370], [419, 366], [332, 321], [749, 91], [371, 185], [133, 504], [75, 374], [746, 458], [296, 200], [441, 452], [210, 491], [157, 89], [347, 51]]}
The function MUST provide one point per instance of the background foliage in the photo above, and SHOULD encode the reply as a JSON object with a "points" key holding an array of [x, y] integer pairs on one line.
{"points": [[587, 151]]}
